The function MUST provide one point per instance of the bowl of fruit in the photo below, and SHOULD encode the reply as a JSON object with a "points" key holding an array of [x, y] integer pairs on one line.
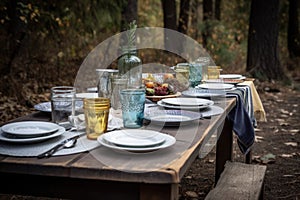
{"points": [[157, 90]]}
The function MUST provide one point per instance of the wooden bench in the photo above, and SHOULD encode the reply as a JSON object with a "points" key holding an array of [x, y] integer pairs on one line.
{"points": [[239, 181]]}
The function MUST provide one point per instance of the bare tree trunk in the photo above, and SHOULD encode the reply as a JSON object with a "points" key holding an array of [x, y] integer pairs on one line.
{"points": [[129, 13], [184, 16], [293, 29], [17, 32], [170, 19], [218, 9], [169, 12], [194, 18], [207, 16], [263, 56]]}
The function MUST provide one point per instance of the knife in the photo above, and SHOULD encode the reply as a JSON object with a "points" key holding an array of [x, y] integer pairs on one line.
{"points": [[51, 151]]}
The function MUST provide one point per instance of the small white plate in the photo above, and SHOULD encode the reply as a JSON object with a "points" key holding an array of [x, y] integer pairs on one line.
{"points": [[216, 86], [135, 138], [186, 101], [60, 131], [160, 103], [30, 128], [230, 76], [172, 117], [169, 141]]}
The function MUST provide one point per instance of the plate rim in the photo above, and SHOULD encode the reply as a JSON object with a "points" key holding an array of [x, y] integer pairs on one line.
{"points": [[6, 127], [60, 131], [40, 107]]}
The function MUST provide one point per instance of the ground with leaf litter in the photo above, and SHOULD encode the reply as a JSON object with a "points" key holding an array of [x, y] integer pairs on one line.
{"points": [[277, 147]]}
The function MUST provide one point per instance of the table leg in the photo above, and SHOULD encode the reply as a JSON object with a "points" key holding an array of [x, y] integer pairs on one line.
{"points": [[224, 148]]}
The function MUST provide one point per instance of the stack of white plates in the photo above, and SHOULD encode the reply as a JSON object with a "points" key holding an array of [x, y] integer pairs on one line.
{"points": [[136, 140], [185, 103], [30, 131]]}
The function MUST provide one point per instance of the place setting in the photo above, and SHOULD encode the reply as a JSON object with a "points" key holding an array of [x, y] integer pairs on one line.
{"points": [[30, 131], [42, 139]]}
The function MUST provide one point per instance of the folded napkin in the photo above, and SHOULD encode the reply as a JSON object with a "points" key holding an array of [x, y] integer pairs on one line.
{"points": [[242, 125], [259, 111]]}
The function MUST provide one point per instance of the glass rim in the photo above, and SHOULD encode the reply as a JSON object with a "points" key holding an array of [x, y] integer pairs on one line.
{"points": [[93, 99], [63, 88]]}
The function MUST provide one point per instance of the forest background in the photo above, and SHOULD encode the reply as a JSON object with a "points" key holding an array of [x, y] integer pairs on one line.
{"points": [[44, 43]]}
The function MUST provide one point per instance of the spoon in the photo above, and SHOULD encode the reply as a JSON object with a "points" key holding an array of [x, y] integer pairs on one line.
{"points": [[69, 143]]}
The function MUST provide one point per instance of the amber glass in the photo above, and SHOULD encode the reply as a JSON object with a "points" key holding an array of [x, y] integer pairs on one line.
{"points": [[96, 111]]}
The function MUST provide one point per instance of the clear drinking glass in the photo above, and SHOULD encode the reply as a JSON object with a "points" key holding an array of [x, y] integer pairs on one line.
{"points": [[96, 112], [77, 119], [195, 77], [182, 74], [62, 103], [133, 104], [118, 83], [205, 61], [104, 84]]}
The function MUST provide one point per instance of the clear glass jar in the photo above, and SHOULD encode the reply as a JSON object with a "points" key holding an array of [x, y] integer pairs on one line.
{"points": [[130, 67], [205, 62], [103, 83]]}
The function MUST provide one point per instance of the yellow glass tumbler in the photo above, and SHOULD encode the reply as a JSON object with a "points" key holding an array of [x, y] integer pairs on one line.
{"points": [[96, 111]]}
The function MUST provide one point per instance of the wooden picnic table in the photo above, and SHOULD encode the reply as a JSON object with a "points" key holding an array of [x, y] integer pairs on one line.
{"points": [[83, 175]]}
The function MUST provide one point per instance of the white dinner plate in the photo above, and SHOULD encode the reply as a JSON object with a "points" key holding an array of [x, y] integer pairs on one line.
{"points": [[59, 132], [230, 76], [169, 141], [136, 138], [172, 117], [193, 92], [161, 103], [30, 128], [216, 86], [186, 101]]}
